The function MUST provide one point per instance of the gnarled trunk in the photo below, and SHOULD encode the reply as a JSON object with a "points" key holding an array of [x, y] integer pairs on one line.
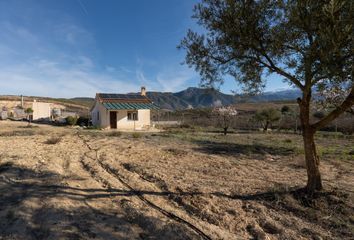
{"points": [[312, 161], [314, 182]]}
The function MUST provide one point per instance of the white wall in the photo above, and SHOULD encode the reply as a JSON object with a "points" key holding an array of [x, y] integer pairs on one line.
{"points": [[124, 123], [103, 120], [41, 110]]}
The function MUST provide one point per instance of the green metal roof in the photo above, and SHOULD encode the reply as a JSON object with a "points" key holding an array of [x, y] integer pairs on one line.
{"points": [[129, 106]]}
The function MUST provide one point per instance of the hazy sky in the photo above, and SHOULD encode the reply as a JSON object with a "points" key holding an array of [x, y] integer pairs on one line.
{"points": [[73, 48]]}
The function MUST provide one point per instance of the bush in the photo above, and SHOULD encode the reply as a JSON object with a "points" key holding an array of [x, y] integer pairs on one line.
{"points": [[136, 135], [71, 120], [114, 134], [83, 121], [53, 140], [93, 128]]}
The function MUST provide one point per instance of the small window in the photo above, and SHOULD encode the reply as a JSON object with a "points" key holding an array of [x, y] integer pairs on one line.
{"points": [[98, 116], [132, 116]]}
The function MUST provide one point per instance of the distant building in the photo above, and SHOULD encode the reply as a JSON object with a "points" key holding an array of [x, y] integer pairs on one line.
{"points": [[122, 111], [18, 113], [3, 115], [41, 111]]}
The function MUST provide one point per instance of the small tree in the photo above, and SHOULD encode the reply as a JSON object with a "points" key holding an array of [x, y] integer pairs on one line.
{"points": [[267, 117], [307, 42], [29, 112], [71, 120], [225, 116], [285, 110]]}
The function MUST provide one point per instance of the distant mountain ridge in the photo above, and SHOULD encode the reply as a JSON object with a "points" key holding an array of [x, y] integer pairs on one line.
{"points": [[194, 97]]}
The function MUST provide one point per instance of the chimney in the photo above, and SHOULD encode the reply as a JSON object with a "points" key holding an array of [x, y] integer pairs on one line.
{"points": [[143, 91]]}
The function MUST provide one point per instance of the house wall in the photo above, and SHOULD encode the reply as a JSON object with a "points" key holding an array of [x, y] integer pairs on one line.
{"points": [[124, 123], [103, 120], [41, 110]]}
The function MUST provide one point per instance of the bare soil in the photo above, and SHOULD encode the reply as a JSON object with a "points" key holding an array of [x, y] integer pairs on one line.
{"points": [[69, 183]]}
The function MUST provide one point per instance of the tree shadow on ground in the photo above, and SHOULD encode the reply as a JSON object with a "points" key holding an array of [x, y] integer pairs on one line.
{"points": [[329, 209], [230, 149], [21, 187]]}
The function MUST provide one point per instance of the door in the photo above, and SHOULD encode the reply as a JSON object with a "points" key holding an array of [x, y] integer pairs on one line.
{"points": [[113, 119]]}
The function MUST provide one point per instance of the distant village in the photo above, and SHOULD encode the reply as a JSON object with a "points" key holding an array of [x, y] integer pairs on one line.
{"points": [[20, 109]]}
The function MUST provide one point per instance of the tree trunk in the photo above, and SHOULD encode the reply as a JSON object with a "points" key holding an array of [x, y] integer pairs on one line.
{"points": [[266, 126], [314, 182], [225, 130], [312, 161]]}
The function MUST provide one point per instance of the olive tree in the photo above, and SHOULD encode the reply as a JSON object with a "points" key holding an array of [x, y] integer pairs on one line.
{"points": [[267, 117], [309, 43]]}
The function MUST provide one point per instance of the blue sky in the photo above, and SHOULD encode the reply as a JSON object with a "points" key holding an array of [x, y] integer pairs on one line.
{"points": [[71, 48]]}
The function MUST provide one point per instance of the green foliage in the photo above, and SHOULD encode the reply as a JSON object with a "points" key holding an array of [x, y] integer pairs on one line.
{"points": [[136, 135], [246, 39], [267, 116], [71, 120], [285, 109], [29, 111]]}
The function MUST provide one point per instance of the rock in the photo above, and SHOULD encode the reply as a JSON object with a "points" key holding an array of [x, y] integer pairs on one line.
{"points": [[317, 237], [270, 226], [256, 232]]}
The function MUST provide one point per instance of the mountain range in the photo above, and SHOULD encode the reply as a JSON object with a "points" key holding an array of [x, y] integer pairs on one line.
{"points": [[193, 97]]}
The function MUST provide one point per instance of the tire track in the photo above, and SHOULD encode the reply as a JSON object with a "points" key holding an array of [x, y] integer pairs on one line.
{"points": [[137, 193]]}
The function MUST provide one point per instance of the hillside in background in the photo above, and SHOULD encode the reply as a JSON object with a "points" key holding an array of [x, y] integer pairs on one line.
{"points": [[198, 97], [190, 98]]}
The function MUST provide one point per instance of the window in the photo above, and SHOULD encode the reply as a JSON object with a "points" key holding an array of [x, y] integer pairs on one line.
{"points": [[98, 116], [133, 116]]}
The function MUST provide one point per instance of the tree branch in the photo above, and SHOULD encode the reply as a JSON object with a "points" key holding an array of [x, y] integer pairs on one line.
{"points": [[347, 103], [280, 71]]}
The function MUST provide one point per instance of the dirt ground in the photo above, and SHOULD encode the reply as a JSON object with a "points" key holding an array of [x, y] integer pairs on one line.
{"points": [[70, 183]]}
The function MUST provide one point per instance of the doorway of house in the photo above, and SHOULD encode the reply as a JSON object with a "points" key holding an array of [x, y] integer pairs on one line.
{"points": [[113, 119]]}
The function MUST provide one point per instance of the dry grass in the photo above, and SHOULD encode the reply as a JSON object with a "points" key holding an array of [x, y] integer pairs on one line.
{"points": [[243, 185]]}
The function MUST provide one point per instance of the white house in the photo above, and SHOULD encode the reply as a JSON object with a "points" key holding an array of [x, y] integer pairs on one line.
{"points": [[41, 111], [122, 111]]}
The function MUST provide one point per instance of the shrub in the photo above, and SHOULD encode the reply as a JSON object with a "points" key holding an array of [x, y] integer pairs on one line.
{"points": [[53, 140], [83, 121], [185, 125], [114, 134], [285, 109], [136, 135], [71, 120], [17, 133]]}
